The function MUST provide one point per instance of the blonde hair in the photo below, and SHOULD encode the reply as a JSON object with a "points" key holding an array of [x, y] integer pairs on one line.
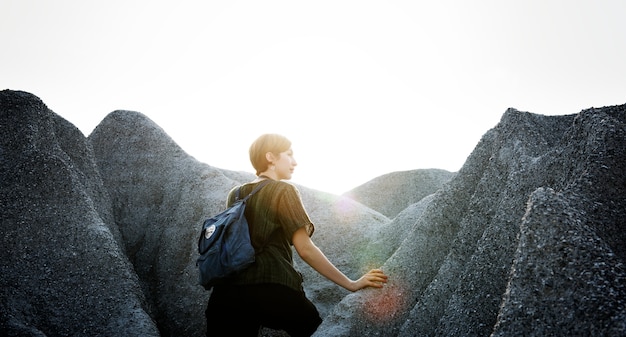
{"points": [[269, 142]]}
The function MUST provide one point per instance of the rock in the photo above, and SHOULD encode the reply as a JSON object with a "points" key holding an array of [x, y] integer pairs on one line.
{"points": [[100, 232], [463, 269], [62, 270], [161, 196], [393, 192]]}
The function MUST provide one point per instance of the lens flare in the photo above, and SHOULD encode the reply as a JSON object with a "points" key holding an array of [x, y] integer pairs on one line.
{"points": [[345, 207], [387, 305]]}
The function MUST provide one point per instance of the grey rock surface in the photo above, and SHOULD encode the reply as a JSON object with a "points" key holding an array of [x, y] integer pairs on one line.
{"points": [[393, 192], [527, 239], [161, 195], [99, 233], [62, 269]]}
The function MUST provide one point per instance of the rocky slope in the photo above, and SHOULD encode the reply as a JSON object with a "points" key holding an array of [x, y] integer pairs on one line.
{"points": [[63, 271], [393, 192], [99, 233], [527, 239]]}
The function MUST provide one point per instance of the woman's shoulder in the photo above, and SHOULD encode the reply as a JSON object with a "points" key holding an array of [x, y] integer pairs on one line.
{"points": [[276, 186], [280, 186], [283, 184], [282, 189]]}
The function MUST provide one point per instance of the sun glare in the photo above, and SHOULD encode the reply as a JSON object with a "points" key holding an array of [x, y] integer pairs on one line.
{"points": [[388, 304]]}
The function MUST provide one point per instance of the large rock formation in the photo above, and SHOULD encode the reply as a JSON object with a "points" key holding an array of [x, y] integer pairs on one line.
{"points": [[160, 195], [99, 233], [393, 192], [63, 271], [133, 184], [527, 239]]}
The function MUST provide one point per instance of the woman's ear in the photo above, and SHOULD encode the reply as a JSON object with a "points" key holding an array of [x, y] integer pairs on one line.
{"points": [[269, 157]]}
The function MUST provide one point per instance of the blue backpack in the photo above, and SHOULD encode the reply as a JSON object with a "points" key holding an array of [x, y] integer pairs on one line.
{"points": [[224, 244]]}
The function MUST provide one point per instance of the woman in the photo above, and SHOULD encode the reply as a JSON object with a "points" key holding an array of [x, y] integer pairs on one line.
{"points": [[270, 293]]}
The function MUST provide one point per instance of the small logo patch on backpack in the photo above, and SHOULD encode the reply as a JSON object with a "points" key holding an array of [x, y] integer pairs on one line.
{"points": [[209, 231]]}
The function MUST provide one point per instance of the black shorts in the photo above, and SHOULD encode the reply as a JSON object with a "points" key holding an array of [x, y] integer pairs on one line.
{"points": [[241, 310]]}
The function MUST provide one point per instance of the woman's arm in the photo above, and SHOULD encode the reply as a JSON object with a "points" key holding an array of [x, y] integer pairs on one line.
{"points": [[312, 255]]}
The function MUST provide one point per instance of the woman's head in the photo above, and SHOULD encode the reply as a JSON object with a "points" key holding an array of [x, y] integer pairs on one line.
{"points": [[267, 143]]}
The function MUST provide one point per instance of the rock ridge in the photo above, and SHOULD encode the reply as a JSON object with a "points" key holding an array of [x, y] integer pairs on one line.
{"points": [[527, 238]]}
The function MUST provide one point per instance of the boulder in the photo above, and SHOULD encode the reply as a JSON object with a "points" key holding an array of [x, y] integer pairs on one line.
{"points": [[99, 233], [527, 239], [62, 269], [393, 192]]}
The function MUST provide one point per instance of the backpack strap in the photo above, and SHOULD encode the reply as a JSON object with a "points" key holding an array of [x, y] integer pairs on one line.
{"points": [[256, 189]]}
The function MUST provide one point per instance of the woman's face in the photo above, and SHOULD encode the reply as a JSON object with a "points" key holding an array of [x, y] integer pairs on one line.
{"points": [[285, 164]]}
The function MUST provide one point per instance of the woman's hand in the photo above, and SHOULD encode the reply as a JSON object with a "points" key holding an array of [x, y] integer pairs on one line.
{"points": [[374, 278], [312, 255]]}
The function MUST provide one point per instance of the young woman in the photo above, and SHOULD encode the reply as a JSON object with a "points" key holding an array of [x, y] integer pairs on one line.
{"points": [[270, 293]]}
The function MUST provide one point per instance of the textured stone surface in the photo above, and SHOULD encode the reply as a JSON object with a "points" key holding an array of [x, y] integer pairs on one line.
{"points": [[99, 233], [527, 239], [161, 195], [62, 269], [393, 192]]}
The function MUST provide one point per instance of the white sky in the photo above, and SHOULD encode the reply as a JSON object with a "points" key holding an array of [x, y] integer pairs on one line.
{"points": [[362, 88]]}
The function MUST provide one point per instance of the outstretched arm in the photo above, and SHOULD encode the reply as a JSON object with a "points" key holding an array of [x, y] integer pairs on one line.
{"points": [[312, 255]]}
